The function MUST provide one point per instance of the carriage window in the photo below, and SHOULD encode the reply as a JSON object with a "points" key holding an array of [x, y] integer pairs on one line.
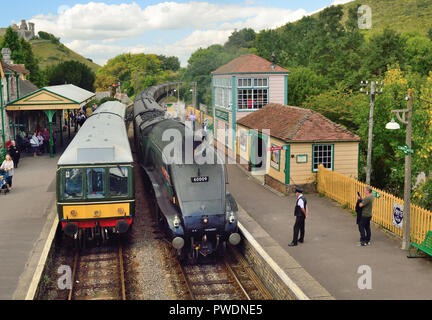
{"points": [[73, 184], [95, 183], [118, 181]]}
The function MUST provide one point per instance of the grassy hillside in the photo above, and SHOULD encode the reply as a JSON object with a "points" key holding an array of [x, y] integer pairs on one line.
{"points": [[399, 15], [50, 53]]}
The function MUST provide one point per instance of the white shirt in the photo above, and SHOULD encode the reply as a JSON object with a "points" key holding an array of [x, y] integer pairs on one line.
{"points": [[300, 202]]}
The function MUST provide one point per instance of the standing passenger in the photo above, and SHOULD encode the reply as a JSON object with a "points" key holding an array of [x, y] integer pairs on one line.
{"points": [[14, 152], [364, 226]]}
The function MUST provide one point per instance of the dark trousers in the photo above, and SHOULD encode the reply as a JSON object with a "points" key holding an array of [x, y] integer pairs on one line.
{"points": [[9, 180], [299, 226], [364, 228]]}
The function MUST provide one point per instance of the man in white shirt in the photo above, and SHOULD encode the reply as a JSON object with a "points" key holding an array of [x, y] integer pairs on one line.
{"points": [[301, 214]]}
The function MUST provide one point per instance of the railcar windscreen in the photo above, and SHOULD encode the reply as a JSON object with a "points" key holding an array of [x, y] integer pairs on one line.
{"points": [[73, 183], [118, 182], [95, 183]]}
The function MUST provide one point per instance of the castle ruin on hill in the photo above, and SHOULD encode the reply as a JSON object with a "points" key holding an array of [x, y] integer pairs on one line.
{"points": [[24, 30]]}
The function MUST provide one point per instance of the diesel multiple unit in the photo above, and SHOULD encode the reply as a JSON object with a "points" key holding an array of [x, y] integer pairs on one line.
{"points": [[95, 187]]}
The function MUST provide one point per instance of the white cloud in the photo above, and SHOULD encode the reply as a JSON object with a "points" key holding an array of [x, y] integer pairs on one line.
{"points": [[93, 29]]}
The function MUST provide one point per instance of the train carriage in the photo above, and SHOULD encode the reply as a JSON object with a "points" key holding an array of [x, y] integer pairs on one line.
{"points": [[95, 187]]}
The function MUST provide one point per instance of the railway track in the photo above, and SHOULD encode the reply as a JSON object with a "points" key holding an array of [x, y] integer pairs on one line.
{"points": [[98, 274], [228, 278]]}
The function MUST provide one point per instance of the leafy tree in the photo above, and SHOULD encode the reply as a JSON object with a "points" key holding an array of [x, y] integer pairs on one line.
{"points": [[169, 63], [302, 83], [418, 51], [36, 76], [11, 41], [48, 36], [71, 72], [382, 50], [244, 38]]}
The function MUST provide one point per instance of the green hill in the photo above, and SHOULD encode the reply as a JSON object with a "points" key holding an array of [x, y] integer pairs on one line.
{"points": [[399, 15], [50, 53]]}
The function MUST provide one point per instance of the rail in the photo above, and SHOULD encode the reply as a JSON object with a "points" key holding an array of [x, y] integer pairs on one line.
{"points": [[98, 274]]}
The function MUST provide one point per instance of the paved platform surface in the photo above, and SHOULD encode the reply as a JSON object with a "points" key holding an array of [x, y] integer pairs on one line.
{"points": [[330, 253], [25, 212]]}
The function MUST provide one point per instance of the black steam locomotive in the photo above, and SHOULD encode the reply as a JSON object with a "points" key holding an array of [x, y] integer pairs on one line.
{"points": [[188, 180]]}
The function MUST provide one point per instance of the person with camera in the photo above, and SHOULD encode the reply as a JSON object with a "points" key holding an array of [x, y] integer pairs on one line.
{"points": [[366, 217]]}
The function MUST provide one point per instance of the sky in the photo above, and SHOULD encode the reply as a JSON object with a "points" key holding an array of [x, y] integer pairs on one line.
{"points": [[101, 30]]}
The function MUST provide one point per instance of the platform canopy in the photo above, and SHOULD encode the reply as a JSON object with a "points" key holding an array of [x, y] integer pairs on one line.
{"points": [[62, 97]]}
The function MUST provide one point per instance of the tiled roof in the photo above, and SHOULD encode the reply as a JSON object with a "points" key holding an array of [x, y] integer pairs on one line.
{"points": [[249, 63], [293, 124], [11, 68]]}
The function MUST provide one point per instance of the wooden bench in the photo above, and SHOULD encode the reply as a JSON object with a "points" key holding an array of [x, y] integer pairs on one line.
{"points": [[425, 246]]}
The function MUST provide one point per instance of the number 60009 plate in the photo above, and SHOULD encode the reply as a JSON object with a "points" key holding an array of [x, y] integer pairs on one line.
{"points": [[200, 179]]}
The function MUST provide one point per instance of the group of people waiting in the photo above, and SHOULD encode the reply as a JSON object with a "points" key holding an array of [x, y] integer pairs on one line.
{"points": [[40, 142]]}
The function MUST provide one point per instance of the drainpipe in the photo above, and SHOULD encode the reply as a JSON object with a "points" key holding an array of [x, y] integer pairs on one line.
{"points": [[17, 84]]}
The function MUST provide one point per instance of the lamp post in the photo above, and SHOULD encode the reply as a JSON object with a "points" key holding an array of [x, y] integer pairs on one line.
{"points": [[405, 116]]}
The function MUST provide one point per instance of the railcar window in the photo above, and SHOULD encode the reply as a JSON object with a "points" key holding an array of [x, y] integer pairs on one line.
{"points": [[73, 184], [118, 182], [95, 183]]}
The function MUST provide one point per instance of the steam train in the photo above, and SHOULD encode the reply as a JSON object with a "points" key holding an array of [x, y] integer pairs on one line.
{"points": [[193, 206], [95, 187]]}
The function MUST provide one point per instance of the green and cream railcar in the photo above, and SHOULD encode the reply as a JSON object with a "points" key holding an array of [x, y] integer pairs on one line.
{"points": [[95, 186]]}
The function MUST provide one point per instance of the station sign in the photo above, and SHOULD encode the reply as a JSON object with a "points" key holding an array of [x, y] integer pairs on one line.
{"points": [[223, 115]]}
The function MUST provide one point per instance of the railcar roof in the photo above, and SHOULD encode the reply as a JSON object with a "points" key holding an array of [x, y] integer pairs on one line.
{"points": [[102, 139]]}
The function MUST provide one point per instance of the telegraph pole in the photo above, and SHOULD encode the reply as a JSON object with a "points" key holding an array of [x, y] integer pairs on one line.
{"points": [[373, 92]]}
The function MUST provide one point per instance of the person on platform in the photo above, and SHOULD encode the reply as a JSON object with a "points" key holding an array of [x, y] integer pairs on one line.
{"points": [[46, 136], [301, 214], [34, 142], [8, 166], [364, 225], [14, 153], [41, 142]]}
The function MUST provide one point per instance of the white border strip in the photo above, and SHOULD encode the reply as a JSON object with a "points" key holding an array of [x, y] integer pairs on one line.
{"points": [[41, 264], [299, 294]]}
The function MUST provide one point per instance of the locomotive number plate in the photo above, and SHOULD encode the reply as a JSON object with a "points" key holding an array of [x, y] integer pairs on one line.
{"points": [[200, 179]]}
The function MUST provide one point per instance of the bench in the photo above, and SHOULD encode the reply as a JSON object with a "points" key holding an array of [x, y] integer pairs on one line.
{"points": [[425, 246]]}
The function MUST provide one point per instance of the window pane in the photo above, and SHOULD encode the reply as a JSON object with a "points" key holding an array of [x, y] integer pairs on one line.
{"points": [[73, 184], [95, 183], [118, 181], [322, 154]]}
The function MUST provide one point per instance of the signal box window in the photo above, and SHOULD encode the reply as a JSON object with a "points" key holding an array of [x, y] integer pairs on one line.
{"points": [[118, 182], [95, 183], [73, 184]]}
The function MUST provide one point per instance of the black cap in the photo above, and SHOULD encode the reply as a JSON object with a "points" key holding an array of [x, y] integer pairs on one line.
{"points": [[299, 190]]}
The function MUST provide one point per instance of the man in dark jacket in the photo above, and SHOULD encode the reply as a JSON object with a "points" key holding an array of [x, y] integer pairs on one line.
{"points": [[14, 153], [364, 224], [301, 214]]}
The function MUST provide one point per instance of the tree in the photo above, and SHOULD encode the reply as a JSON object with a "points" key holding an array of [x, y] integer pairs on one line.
{"points": [[383, 49], [244, 38], [71, 72], [32, 64], [303, 83], [11, 41], [418, 51]]}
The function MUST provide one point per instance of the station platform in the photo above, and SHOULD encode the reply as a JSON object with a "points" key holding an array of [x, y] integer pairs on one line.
{"points": [[27, 216], [330, 253]]}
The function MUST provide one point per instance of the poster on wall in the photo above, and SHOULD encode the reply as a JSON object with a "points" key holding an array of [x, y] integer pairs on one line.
{"points": [[275, 158], [398, 215]]}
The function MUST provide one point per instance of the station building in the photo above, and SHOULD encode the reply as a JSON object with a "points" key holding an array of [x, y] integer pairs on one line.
{"points": [[298, 140], [282, 145], [241, 87]]}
